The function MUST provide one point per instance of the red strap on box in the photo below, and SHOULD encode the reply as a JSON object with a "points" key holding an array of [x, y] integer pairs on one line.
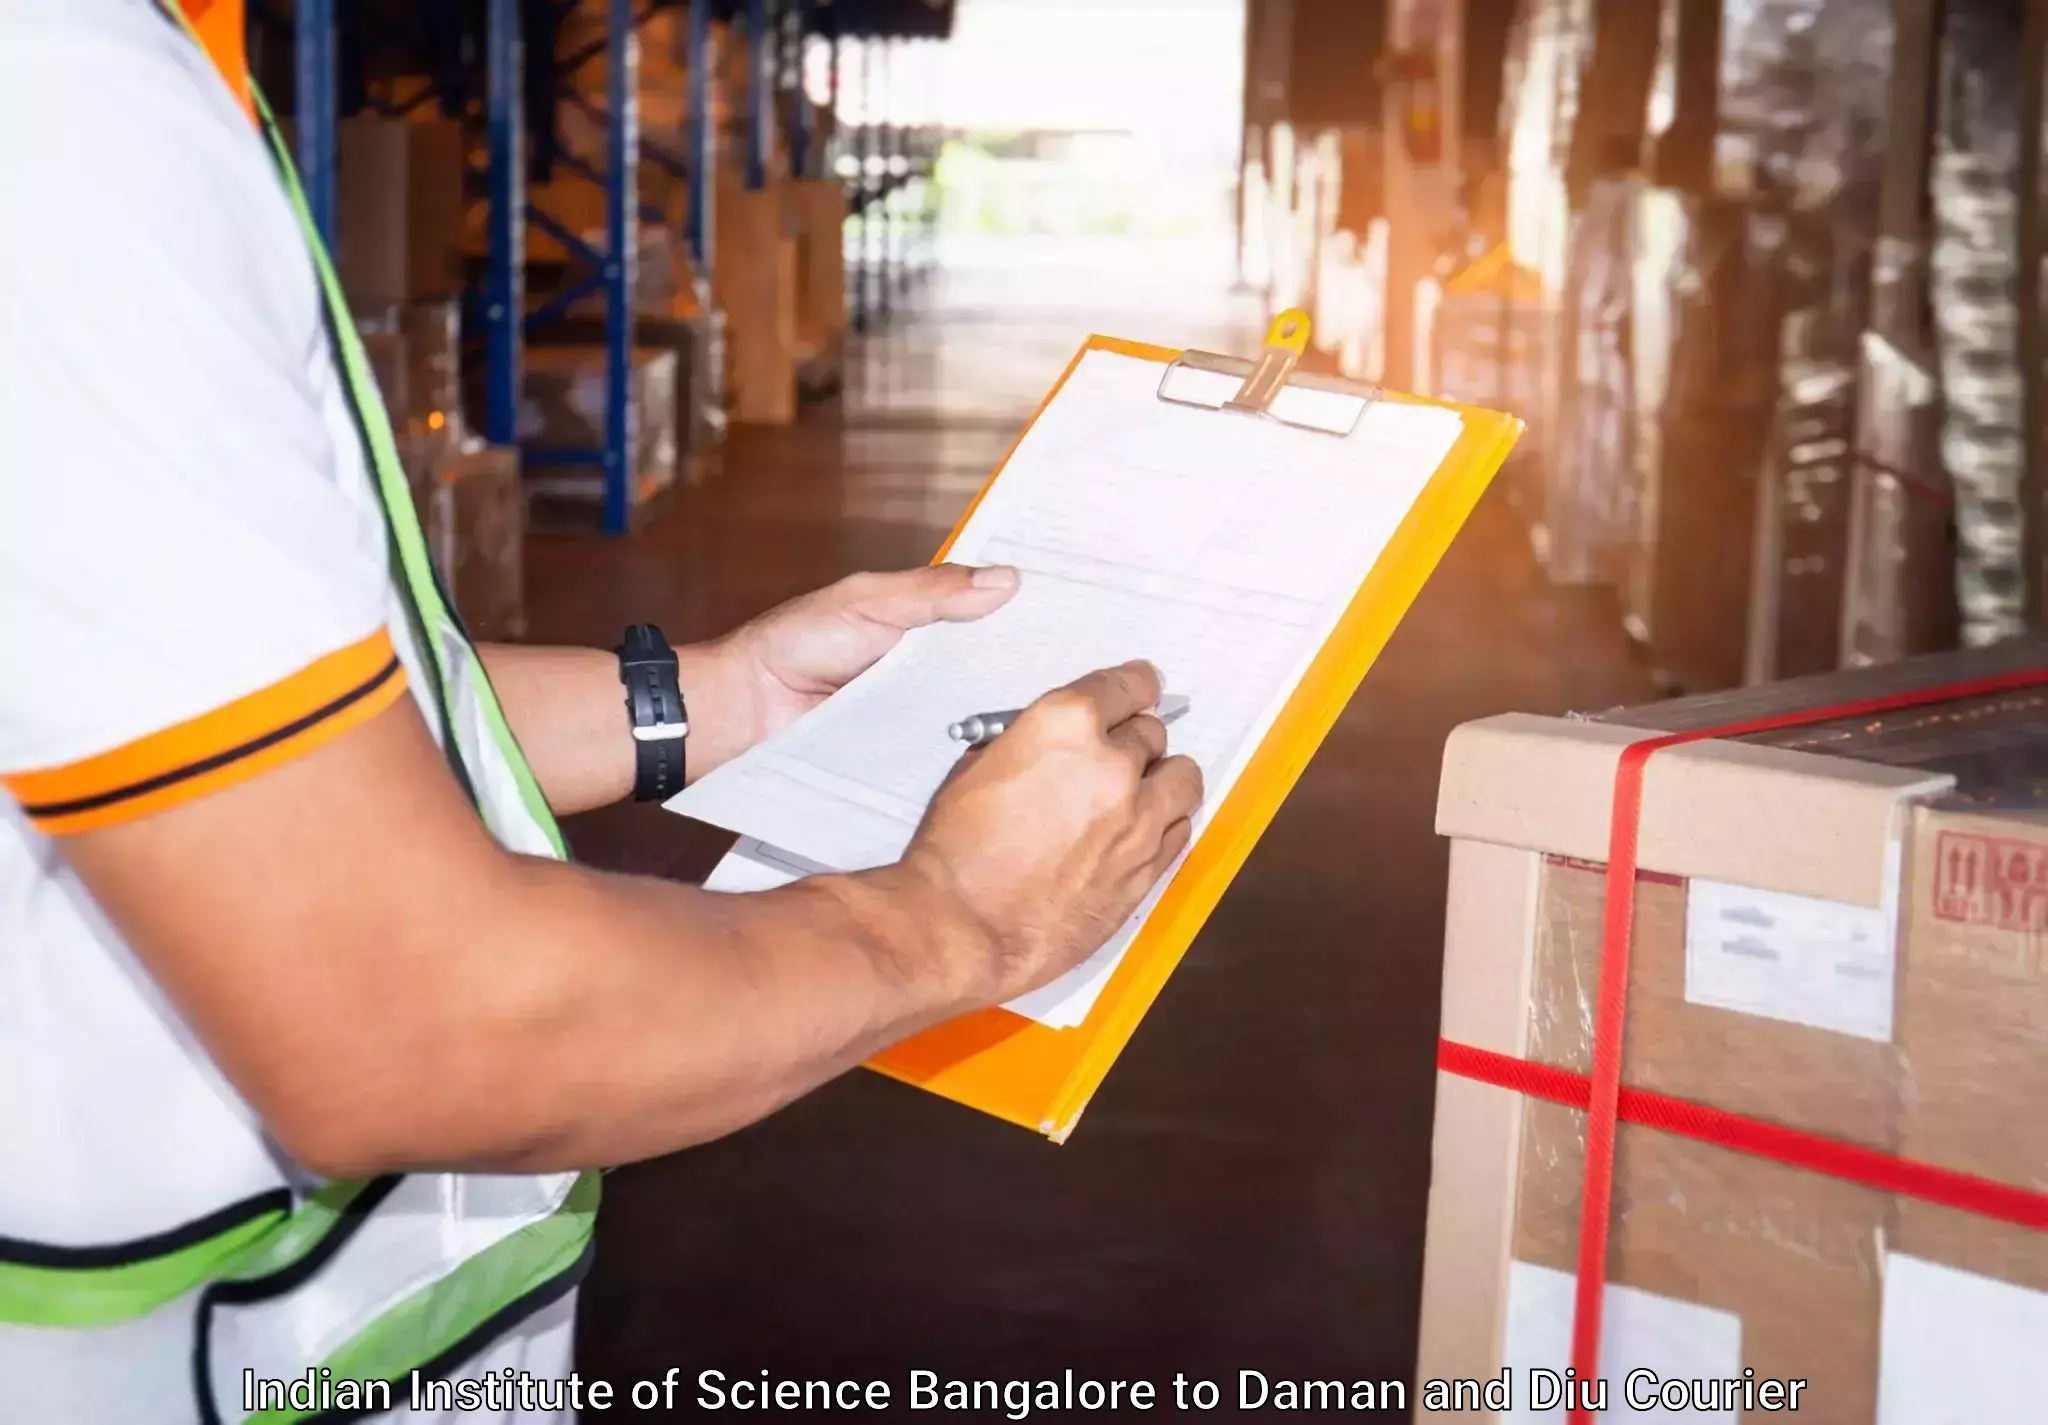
{"points": [[1851, 1162], [1602, 1094]]}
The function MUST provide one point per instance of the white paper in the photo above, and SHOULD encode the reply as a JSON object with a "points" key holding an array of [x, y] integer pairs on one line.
{"points": [[750, 866], [1639, 1330], [1797, 958], [1958, 1348], [1220, 547]]}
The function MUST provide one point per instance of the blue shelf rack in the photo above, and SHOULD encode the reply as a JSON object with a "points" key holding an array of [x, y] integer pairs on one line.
{"points": [[499, 305], [609, 266], [776, 33]]}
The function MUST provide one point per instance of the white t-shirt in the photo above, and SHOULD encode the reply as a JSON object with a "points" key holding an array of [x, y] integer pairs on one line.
{"points": [[194, 587]]}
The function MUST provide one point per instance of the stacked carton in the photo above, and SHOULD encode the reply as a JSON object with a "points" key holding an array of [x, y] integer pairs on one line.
{"points": [[471, 504], [1841, 929], [399, 255], [1900, 590], [1809, 98], [563, 405]]}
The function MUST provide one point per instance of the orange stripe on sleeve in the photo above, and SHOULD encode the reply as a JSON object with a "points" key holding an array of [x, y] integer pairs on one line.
{"points": [[217, 749]]}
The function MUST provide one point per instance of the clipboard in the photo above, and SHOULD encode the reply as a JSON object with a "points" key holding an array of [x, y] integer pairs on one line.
{"points": [[1042, 1078]]}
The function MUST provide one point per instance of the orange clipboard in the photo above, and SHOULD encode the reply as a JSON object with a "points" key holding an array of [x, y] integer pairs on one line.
{"points": [[1042, 1078]]}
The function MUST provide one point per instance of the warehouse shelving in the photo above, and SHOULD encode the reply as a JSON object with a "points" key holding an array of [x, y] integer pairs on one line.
{"points": [[491, 90]]}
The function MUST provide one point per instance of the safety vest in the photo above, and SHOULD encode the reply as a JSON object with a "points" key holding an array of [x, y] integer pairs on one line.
{"points": [[350, 1281]]}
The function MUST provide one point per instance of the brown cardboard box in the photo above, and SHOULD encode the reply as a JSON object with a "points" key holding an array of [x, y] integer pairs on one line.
{"points": [[433, 346], [1899, 595], [755, 277], [820, 206], [1973, 1028], [371, 222], [473, 511], [1785, 1252], [1745, 1000], [562, 404], [436, 204]]}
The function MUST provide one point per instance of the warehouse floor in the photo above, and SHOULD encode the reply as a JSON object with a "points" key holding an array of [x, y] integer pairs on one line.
{"points": [[1247, 1191]]}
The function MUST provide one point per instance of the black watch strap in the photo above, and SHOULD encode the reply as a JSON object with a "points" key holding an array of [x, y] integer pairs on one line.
{"points": [[654, 704]]}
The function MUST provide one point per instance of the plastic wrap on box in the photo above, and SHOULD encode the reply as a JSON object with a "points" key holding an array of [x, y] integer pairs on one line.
{"points": [[1480, 333], [659, 256], [1809, 84], [474, 516], [1590, 512], [1908, 1023], [697, 341], [1899, 590], [1689, 570], [1794, 1257], [1994, 745], [1660, 225], [1549, 47], [1899, 596], [562, 406], [433, 344], [1974, 196], [1803, 95], [1799, 565], [1783, 1271], [700, 386]]}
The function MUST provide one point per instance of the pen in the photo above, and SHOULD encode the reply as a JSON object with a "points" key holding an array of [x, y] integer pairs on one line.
{"points": [[984, 727]]}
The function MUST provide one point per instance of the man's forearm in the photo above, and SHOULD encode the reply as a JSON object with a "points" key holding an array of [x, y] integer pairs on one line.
{"points": [[389, 988], [627, 1017], [567, 707]]}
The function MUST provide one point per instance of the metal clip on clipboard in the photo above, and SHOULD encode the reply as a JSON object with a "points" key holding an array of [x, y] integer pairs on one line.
{"points": [[1268, 388]]}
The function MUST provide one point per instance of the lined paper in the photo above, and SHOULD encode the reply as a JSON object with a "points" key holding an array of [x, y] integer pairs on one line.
{"points": [[1220, 547]]}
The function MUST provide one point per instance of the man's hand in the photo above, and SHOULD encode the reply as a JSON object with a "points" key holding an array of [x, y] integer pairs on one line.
{"points": [[1051, 835], [769, 672], [555, 1017], [568, 710]]}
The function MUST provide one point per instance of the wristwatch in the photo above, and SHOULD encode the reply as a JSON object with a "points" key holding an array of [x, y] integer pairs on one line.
{"points": [[654, 703]]}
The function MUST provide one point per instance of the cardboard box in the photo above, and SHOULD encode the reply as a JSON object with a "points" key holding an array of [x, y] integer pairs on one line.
{"points": [[1900, 587], [755, 277], [433, 346], [476, 528], [472, 512], [562, 404], [1803, 955], [436, 206], [1966, 1308], [820, 206], [371, 221]]}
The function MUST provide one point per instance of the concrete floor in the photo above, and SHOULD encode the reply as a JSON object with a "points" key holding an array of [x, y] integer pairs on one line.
{"points": [[1248, 1188]]}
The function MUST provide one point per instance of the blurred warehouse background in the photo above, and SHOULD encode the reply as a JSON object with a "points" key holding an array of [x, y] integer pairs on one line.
{"points": [[1762, 275], [685, 308]]}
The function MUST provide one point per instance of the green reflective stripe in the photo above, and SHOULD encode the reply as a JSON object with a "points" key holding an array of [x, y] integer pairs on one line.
{"points": [[396, 494], [102, 1296], [74, 1296], [443, 1316], [299, 1234]]}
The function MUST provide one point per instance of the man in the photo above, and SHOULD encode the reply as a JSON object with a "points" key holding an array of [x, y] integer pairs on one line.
{"points": [[308, 1037]]}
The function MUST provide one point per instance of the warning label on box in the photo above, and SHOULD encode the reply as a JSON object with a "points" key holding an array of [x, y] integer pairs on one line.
{"points": [[1991, 880]]}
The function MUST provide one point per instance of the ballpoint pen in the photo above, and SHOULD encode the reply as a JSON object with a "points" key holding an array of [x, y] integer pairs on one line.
{"points": [[985, 727]]}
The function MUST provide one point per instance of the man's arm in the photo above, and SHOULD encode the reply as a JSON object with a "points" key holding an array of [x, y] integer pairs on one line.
{"points": [[392, 990], [568, 709]]}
